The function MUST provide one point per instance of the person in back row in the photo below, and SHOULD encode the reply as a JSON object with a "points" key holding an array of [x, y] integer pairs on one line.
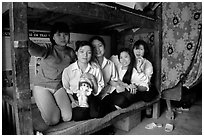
{"points": [[108, 68]]}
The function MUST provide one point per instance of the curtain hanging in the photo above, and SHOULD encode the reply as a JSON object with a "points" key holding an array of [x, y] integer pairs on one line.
{"points": [[181, 25]]}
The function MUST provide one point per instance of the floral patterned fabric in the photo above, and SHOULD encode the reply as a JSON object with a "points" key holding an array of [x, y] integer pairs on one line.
{"points": [[181, 28]]}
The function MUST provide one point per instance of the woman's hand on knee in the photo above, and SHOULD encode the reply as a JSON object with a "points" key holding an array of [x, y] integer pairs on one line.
{"points": [[75, 104], [120, 89], [132, 88]]}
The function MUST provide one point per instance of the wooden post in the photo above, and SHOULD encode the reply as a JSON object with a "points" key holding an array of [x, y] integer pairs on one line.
{"points": [[158, 49], [156, 110], [157, 59], [20, 67]]}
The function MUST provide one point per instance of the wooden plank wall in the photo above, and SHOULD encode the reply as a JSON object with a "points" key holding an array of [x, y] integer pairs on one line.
{"points": [[157, 59]]}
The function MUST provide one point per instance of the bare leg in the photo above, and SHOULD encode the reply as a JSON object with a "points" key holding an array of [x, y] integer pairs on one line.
{"points": [[170, 113], [46, 104], [64, 104]]}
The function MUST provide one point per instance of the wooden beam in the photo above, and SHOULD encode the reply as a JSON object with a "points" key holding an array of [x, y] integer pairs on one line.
{"points": [[20, 67], [51, 18], [113, 26], [97, 11]]}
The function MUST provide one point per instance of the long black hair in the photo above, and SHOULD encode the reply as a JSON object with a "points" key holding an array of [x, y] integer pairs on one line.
{"points": [[128, 74], [145, 45]]}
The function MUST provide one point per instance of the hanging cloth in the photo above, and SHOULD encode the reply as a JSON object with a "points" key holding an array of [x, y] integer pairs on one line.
{"points": [[193, 73]]}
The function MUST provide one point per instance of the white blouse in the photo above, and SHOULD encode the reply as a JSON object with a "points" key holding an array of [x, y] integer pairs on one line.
{"points": [[139, 79], [109, 71], [142, 78], [146, 68], [71, 76], [109, 74]]}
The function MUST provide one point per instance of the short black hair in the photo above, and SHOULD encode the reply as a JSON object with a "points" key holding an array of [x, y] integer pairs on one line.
{"points": [[58, 27], [85, 43]]}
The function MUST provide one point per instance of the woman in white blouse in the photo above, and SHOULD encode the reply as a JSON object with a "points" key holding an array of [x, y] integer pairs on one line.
{"points": [[144, 66], [130, 84], [108, 68], [83, 67], [141, 52]]}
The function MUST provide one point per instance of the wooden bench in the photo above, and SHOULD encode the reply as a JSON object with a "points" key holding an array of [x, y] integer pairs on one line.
{"points": [[92, 125], [81, 127]]}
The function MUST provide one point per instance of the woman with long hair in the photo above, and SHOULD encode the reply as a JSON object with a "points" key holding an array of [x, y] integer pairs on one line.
{"points": [[129, 85], [144, 66]]}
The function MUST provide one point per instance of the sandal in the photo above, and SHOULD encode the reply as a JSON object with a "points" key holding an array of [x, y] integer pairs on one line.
{"points": [[153, 125], [168, 127]]}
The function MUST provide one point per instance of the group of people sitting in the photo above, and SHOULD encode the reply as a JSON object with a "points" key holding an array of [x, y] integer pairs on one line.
{"points": [[84, 84]]}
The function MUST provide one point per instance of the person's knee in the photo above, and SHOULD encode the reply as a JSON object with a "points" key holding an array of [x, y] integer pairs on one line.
{"points": [[67, 117], [52, 121], [121, 102], [55, 120]]}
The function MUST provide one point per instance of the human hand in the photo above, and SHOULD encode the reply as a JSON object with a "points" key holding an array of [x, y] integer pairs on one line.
{"points": [[120, 88], [132, 88], [75, 104], [139, 64]]}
